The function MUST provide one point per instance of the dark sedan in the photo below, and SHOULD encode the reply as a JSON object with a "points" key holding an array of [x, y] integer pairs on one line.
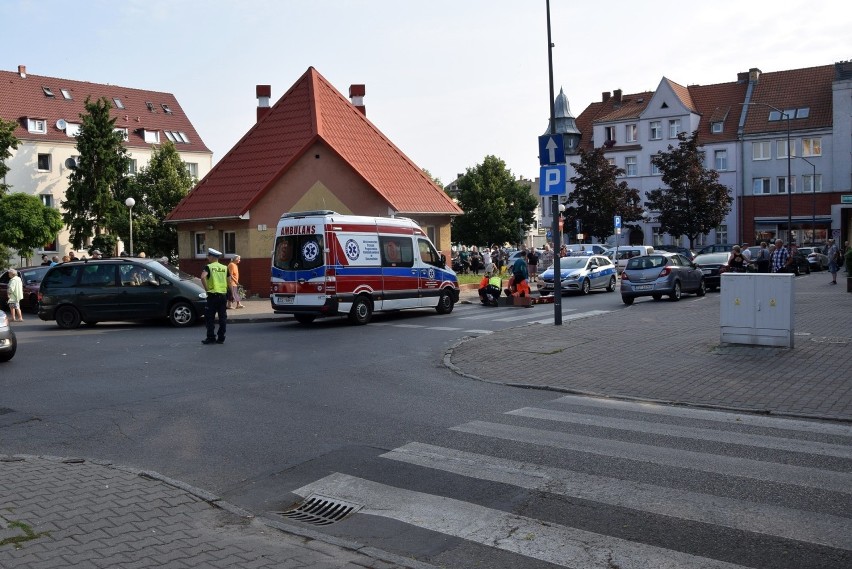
{"points": [[713, 265], [30, 279]]}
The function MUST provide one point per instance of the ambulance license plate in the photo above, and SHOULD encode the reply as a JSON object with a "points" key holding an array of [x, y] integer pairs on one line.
{"points": [[286, 299]]}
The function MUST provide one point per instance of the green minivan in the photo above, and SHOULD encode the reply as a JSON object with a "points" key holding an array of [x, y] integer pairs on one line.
{"points": [[123, 288]]}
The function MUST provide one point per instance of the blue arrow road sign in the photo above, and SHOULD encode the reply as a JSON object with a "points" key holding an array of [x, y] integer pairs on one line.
{"points": [[617, 221], [552, 180], [551, 149]]}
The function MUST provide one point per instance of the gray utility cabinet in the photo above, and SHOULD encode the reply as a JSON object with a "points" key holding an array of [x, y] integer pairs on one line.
{"points": [[757, 309]]}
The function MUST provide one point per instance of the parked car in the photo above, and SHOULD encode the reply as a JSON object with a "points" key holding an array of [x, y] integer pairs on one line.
{"points": [[716, 248], [661, 274], [712, 266], [31, 279], [98, 290], [8, 341], [579, 274], [628, 252], [676, 249], [800, 263], [817, 260]]}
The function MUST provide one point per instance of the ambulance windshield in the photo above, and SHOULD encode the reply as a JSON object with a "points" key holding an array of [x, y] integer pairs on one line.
{"points": [[294, 252]]}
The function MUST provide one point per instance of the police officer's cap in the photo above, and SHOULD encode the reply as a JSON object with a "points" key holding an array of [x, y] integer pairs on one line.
{"points": [[211, 252]]}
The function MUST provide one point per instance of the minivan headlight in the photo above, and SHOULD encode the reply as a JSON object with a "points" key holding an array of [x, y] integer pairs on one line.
{"points": [[202, 295]]}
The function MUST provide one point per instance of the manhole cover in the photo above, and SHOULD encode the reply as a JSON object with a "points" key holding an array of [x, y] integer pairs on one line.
{"points": [[830, 340], [321, 510]]}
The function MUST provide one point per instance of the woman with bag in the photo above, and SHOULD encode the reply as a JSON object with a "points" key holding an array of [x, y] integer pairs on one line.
{"points": [[234, 284]]}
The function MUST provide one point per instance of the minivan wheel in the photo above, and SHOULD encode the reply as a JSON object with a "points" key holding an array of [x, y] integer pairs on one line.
{"points": [[362, 310], [445, 302], [676, 293], [67, 317], [181, 314]]}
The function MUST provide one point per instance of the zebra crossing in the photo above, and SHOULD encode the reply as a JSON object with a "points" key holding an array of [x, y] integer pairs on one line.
{"points": [[592, 483]]}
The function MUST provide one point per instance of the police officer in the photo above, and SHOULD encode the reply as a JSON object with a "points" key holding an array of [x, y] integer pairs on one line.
{"points": [[214, 277]]}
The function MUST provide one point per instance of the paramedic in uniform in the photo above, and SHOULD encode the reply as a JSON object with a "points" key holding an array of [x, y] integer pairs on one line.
{"points": [[214, 277]]}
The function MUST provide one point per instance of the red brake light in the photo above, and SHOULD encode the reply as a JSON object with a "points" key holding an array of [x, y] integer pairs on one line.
{"points": [[665, 272], [624, 276]]}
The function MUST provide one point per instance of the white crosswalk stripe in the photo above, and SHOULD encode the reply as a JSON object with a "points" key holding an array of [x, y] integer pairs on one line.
{"points": [[767, 478]]}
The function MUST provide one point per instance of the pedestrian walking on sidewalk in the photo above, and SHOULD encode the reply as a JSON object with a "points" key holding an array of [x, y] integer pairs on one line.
{"points": [[234, 283], [16, 293], [833, 260], [214, 277]]}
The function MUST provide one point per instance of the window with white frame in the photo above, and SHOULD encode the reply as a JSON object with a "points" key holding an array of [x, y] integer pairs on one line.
{"points": [[37, 126], [720, 160], [656, 130], [717, 127], [46, 200], [781, 147], [125, 134], [131, 167], [655, 170], [630, 166], [782, 185], [609, 134], [760, 186], [152, 136], [674, 128], [192, 168], [229, 242], [722, 234], [632, 133], [656, 236], [610, 161], [44, 162], [811, 183], [811, 147], [761, 150], [200, 244]]}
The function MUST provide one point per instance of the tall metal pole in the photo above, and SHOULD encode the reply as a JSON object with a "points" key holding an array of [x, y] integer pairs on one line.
{"points": [[554, 200], [789, 186]]}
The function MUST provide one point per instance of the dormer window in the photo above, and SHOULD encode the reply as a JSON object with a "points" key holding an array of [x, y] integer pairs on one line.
{"points": [[151, 136], [48, 92], [123, 132], [118, 103], [37, 126], [166, 109], [66, 93], [150, 106], [717, 127]]}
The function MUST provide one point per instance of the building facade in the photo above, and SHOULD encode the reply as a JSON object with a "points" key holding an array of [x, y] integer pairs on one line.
{"points": [[47, 111]]}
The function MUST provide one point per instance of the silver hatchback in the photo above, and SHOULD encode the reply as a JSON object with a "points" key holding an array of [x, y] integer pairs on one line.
{"points": [[661, 274]]}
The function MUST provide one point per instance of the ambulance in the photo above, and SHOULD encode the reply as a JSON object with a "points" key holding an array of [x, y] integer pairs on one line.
{"points": [[326, 264]]}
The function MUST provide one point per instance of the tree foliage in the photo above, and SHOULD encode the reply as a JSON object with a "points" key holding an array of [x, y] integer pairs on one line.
{"points": [[90, 202], [7, 141], [157, 189], [598, 196], [26, 223], [694, 202], [437, 181], [493, 201]]}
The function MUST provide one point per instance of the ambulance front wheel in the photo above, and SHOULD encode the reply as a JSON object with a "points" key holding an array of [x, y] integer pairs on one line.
{"points": [[445, 303], [362, 310]]}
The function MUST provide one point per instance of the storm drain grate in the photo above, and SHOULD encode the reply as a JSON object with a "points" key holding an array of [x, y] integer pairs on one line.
{"points": [[321, 510]]}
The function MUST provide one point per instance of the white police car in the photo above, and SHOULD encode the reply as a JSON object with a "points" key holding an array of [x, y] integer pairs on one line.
{"points": [[8, 341], [580, 274]]}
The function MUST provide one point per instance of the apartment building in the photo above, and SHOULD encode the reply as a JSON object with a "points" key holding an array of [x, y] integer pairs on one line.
{"points": [[48, 110]]}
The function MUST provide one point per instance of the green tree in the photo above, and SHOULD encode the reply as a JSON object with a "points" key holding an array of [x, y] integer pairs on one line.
{"points": [[27, 224], [7, 141], [157, 189], [437, 181], [694, 202], [598, 196], [493, 201], [90, 204]]}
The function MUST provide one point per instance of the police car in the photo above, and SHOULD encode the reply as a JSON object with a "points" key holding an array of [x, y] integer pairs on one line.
{"points": [[580, 274]]}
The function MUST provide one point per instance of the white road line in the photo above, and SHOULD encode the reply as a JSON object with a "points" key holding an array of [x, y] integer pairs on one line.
{"points": [[721, 464], [408, 325], [577, 316], [560, 545], [479, 332], [710, 415], [729, 437], [824, 529], [526, 316], [442, 328]]}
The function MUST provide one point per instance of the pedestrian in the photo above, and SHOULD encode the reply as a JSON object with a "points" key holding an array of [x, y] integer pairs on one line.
{"points": [[780, 257], [746, 252], [72, 256], [45, 262], [15, 291], [96, 253], [762, 261], [833, 260], [65, 258], [736, 260], [214, 277], [234, 283], [532, 262]]}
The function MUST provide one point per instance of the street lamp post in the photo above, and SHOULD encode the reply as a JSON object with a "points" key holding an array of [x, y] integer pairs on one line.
{"points": [[520, 231], [130, 202], [789, 170]]}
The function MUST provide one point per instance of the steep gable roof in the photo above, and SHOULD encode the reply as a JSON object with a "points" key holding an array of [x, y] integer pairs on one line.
{"points": [[718, 103], [25, 97], [631, 106], [682, 93], [810, 88], [312, 110]]}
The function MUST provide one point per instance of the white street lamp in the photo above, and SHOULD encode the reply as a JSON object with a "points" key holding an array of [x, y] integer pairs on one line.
{"points": [[130, 202]]}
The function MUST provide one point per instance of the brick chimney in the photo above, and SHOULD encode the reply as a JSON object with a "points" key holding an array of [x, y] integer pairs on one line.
{"points": [[22, 71], [617, 96], [263, 93], [356, 94], [742, 76], [605, 96], [754, 75]]}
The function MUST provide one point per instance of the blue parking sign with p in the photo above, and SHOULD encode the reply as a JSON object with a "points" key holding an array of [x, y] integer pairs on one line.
{"points": [[552, 181]]}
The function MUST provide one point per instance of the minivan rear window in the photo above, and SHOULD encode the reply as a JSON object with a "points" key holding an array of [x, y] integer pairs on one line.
{"points": [[61, 277]]}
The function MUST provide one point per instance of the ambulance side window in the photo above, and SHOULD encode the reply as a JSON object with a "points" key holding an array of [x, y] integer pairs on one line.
{"points": [[397, 251], [428, 254]]}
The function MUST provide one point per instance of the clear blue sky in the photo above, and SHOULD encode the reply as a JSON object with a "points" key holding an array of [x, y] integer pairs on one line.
{"points": [[448, 81]]}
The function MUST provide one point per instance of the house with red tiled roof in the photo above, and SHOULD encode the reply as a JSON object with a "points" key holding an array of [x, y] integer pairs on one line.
{"points": [[312, 150], [47, 111], [743, 127]]}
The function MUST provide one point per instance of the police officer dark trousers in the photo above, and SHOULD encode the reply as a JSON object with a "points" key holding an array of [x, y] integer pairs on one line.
{"points": [[214, 277]]}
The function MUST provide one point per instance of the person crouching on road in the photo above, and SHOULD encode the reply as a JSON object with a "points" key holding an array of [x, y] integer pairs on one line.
{"points": [[489, 286], [214, 277]]}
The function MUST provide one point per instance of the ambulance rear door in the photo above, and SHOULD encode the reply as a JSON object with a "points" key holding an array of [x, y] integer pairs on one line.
{"points": [[298, 266]]}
